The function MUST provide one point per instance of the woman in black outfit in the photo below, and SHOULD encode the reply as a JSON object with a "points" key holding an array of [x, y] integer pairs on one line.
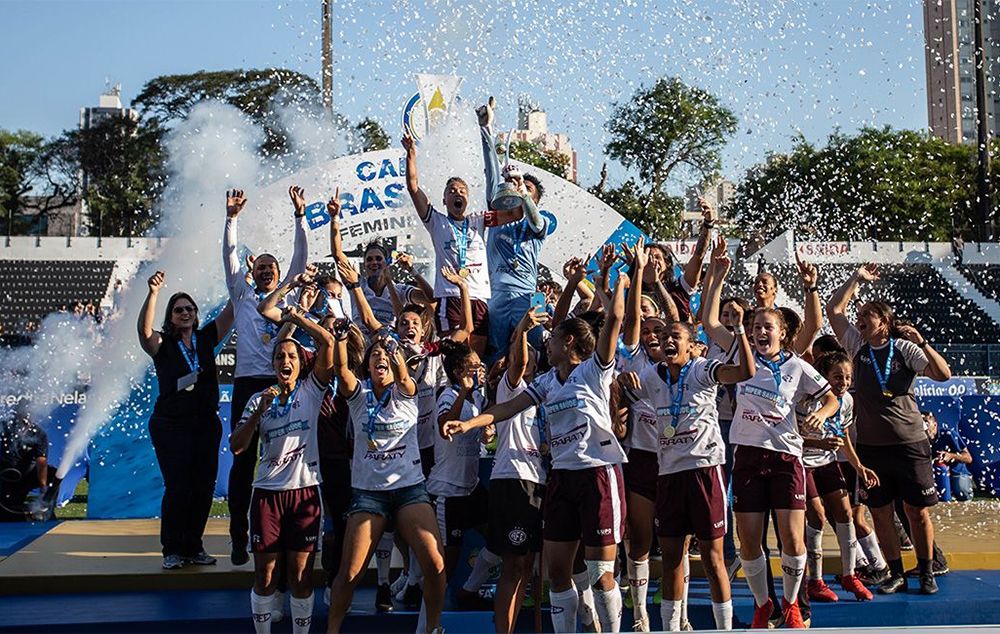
{"points": [[185, 426]]}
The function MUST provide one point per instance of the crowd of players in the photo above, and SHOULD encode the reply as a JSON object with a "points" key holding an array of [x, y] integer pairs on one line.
{"points": [[613, 412]]}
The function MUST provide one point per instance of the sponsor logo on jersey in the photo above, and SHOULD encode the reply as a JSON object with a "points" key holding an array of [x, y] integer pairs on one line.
{"points": [[765, 394], [287, 457], [574, 435], [284, 430], [388, 454], [517, 536], [562, 406]]}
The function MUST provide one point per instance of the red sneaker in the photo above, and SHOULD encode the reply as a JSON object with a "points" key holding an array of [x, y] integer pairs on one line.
{"points": [[819, 592], [793, 618], [853, 584], [761, 614]]}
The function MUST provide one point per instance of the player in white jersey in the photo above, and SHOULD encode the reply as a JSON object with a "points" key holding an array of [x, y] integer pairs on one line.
{"points": [[585, 493], [386, 480], [826, 488], [691, 488], [641, 350], [285, 508], [517, 484], [768, 472], [255, 337]]}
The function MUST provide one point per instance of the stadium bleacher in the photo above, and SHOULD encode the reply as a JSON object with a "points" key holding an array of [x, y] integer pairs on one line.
{"points": [[985, 277], [31, 289]]}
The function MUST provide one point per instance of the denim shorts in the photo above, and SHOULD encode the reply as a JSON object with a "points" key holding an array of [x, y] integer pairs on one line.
{"points": [[387, 503]]}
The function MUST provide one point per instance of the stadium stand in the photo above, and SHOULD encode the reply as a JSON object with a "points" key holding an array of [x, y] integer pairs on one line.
{"points": [[31, 289], [985, 277]]}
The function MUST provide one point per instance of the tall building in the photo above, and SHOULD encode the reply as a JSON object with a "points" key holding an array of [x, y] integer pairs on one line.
{"points": [[717, 191], [949, 40], [533, 127]]}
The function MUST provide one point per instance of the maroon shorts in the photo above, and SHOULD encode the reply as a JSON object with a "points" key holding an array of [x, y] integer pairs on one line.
{"points": [[449, 316], [588, 505], [692, 502], [640, 473], [821, 481], [855, 492], [285, 520], [765, 480]]}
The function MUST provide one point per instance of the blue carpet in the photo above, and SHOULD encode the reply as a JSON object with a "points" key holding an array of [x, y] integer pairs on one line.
{"points": [[966, 598], [15, 535]]}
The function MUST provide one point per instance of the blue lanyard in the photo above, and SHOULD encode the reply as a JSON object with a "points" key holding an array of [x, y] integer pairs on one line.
{"points": [[191, 356], [374, 409], [677, 399], [540, 424], [775, 368], [461, 240], [270, 328], [883, 375], [835, 424], [277, 410]]}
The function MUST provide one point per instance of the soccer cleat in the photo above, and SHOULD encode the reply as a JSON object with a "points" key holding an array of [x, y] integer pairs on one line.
{"points": [[792, 615], [928, 585], [201, 559], [820, 592], [853, 584], [412, 596], [641, 625], [173, 562], [761, 615], [686, 626], [875, 576], [892, 585], [383, 598], [937, 569]]}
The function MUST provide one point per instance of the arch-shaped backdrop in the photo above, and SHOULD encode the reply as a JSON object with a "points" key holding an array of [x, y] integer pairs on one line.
{"points": [[124, 478]]}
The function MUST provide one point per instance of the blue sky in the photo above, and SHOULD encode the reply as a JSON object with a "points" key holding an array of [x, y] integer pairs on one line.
{"points": [[783, 66]]}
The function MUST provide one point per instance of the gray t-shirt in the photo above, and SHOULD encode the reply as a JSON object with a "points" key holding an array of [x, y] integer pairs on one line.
{"points": [[884, 420]]}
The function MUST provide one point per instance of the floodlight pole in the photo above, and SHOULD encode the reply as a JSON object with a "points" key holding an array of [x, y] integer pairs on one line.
{"points": [[983, 196], [327, 57]]}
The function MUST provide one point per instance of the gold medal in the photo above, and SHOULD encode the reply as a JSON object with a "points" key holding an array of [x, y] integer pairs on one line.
{"points": [[266, 337], [513, 265], [543, 448], [464, 272], [371, 444], [669, 431], [887, 394]]}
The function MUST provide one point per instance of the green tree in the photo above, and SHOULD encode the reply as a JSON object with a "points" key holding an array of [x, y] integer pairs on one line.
{"points": [[370, 136], [36, 177], [123, 162], [534, 154], [880, 183], [657, 214]]}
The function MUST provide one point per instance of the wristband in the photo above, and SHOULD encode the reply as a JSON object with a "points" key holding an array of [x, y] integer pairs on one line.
{"points": [[300, 215], [739, 331], [811, 289], [923, 344], [352, 285]]}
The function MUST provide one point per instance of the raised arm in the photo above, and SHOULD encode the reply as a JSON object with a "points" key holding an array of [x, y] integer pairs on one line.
{"points": [[836, 308], [349, 275], [235, 202], [607, 342], [400, 371], [692, 270], [423, 293], [336, 241], [224, 320], [490, 160], [633, 315], [517, 356], [500, 411], [268, 307], [323, 363], [149, 338], [937, 368], [242, 436], [300, 253], [347, 380], [745, 368], [457, 280], [712, 298], [813, 321], [573, 270], [417, 195]]}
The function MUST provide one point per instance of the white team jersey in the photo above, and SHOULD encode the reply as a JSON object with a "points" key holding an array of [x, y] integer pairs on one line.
{"points": [[429, 376], [695, 440], [578, 417], [518, 456], [456, 461], [394, 462], [852, 429], [643, 433], [289, 449], [836, 425], [255, 335], [382, 304], [446, 235], [765, 417], [726, 401]]}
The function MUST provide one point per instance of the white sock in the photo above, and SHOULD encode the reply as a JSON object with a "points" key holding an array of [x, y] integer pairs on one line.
{"points": [[814, 548], [480, 570], [873, 552], [670, 613], [563, 608], [260, 610], [723, 613], [848, 542], [302, 614], [638, 581], [609, 608], [756, 573], [586, 601], [383, 558], [687, 587], [792, 567], [277, 606]]}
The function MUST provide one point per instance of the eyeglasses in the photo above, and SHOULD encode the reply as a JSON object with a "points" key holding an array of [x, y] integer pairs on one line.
{"points": [[183, 309]]}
